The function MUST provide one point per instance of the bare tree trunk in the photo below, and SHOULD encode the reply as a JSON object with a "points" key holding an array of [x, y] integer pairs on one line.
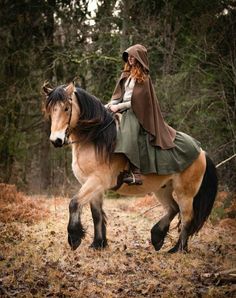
{"points": [[125, 36], [45, 162], [171, 28]]}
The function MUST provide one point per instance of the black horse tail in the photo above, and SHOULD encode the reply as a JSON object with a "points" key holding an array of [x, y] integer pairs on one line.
{"points": [[204, 199]]}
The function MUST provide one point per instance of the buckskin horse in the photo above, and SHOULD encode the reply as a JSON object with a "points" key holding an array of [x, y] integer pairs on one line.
{"points": [[80, 119]]}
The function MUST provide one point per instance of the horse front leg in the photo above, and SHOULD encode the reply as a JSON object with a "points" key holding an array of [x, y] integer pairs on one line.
{"points": [[75, 229], [99, 220], [89, 191]]}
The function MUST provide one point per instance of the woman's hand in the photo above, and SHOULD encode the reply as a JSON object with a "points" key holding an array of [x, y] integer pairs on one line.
{"points": [[114, 108]]}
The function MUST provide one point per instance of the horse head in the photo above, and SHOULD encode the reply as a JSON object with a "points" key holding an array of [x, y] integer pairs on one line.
{"points": [[63, 111]]}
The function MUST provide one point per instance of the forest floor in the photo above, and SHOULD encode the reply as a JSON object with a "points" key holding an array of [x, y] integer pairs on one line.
{"points": [[36, 260]]}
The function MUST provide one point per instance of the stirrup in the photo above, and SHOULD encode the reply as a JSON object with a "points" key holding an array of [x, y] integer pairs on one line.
{"points": [[132, 180]]}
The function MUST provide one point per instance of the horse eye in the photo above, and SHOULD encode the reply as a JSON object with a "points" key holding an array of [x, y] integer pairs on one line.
{"points": [[66, 109]]}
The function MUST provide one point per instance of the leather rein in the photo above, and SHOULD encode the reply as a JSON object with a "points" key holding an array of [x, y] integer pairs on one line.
{"points": [[69, 129]]}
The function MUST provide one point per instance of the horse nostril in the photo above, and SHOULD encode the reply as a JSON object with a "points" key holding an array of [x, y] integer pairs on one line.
{"points": [[58, 142]]}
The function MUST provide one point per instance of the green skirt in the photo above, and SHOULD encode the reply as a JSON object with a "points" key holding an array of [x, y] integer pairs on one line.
{"points": [[133, 141]]}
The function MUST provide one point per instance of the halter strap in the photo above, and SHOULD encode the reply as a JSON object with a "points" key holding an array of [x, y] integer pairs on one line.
{"points": [[68, 129]]}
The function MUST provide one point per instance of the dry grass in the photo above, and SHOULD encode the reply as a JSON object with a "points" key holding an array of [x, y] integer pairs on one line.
{"points": [[36, 261], [15, 206]]}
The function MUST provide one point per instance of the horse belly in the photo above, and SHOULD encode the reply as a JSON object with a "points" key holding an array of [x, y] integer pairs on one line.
{"points": [[151, 183]]}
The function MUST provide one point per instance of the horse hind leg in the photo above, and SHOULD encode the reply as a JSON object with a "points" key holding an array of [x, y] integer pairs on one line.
{"points": [[99, 220], [160, 229], [194, 196], [186, 212]]}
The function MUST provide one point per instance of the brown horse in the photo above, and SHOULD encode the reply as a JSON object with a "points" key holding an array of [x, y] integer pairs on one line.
{"points": [[81, 120]]}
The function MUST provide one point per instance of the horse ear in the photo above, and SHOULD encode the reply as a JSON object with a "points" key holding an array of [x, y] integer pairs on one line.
{"points": [[46, 88], [70, 88]]}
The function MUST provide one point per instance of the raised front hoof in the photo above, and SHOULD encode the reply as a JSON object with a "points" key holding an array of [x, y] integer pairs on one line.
{"points": [[158, 236], [99, 244], [73, 242], [75, 235]]}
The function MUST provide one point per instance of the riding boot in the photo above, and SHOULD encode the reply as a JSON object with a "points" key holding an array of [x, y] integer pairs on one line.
{"points": [[133, 177]]}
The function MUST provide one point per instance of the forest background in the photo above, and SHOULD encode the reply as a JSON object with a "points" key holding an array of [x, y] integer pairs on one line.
{"points": [[192, 54]]}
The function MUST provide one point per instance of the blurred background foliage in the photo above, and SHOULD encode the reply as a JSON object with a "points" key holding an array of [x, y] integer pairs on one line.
{"points": [[192, 53]]}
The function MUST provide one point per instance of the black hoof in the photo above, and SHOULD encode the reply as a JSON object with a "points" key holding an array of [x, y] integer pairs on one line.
{"points": [[173, 250], [178, 248], [158, 245], [74, 244], [99, 244], [158, 236], [75, 235]]}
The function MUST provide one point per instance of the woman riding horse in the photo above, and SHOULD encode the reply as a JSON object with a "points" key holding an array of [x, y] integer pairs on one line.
{"points": [[182, 177], [143, 133]]}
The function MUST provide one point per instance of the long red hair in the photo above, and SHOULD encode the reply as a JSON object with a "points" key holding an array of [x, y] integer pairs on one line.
{"points": [[137, 71]]}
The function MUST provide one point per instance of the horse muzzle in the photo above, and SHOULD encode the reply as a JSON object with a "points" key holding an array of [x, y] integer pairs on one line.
{"points": [[58, 142], [58, 138]]}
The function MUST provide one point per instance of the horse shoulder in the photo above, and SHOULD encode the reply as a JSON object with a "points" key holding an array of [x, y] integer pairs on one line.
{"points": [[86, 165]]}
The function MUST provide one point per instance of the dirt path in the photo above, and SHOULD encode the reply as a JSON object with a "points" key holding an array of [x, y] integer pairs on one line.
{"points": [[35, 260]]}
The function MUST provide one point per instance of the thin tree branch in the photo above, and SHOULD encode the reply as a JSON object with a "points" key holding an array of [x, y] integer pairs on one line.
{"points": [[226, 160], [108, 58], [149, 209]]}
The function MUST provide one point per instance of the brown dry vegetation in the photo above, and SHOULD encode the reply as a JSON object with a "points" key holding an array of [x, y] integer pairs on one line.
{"points": [[35, 259], [15, 206]]}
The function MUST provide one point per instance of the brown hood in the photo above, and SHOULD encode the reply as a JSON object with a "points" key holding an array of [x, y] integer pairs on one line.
{"points": [[140, 53]]}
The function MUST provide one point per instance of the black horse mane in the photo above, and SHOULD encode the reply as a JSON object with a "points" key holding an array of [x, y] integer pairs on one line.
{"points": [[95, 123]]}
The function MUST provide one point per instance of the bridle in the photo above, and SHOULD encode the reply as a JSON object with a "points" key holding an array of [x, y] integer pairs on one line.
{"points": [[68, 128]]}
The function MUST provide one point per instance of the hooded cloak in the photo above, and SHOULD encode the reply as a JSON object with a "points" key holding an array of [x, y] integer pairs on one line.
{"points": [[144, 102]]}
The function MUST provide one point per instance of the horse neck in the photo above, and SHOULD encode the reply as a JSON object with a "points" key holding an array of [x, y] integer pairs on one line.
{"points": [[78, 145], [74, 139]]}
